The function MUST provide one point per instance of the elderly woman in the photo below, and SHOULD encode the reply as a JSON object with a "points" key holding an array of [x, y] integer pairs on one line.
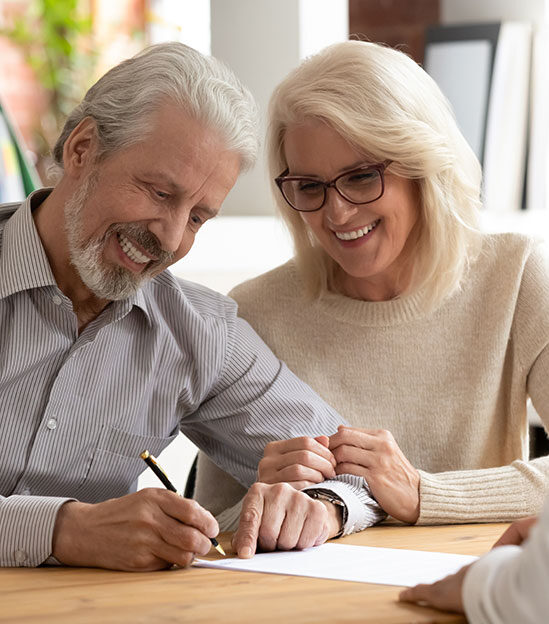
{"points": [[425, 334]]}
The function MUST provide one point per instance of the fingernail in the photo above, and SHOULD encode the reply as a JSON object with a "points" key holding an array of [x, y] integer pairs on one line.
{"points": [[245, 553]]}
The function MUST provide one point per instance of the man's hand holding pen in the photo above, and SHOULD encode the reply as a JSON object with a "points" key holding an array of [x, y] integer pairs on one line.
{"points": [[149, 530]]}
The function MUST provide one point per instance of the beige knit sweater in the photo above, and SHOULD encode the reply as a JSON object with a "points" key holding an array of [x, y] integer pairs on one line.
{"points": [[451, 386]]}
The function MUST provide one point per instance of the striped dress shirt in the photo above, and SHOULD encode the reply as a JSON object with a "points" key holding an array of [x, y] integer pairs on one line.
{"points": [[77, 410]]}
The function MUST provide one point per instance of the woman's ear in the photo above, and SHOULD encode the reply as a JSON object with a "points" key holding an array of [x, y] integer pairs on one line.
{"points": [[80, 148]]}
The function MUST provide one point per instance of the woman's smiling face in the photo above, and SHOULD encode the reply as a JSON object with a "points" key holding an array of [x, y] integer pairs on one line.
{"points": [[367, 241]]}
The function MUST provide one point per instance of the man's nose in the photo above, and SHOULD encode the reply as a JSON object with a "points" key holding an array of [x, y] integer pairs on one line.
{"points": [[170, 230], [337, 210]]}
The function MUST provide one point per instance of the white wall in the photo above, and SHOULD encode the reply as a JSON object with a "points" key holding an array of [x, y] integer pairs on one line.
{"points": [[262, 40], [459, 11]]}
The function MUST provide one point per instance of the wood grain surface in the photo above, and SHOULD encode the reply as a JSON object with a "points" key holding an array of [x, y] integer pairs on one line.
{"points": [[198, 595]]}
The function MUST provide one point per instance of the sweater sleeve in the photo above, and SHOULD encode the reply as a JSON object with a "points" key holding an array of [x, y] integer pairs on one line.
{"points": [[509, 584], [499, 494], [504, 493]]}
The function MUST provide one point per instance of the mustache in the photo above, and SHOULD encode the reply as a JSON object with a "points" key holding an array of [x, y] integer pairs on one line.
{"points": [[143, 237]]}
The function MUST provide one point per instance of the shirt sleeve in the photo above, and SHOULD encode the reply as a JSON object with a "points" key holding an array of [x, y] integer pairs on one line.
{"points": [[362, 509], [26, 529], [256, 400], [509, 584]]}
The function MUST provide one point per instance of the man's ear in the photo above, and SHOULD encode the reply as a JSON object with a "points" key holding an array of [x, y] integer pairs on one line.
{"points": [[80, 148]]}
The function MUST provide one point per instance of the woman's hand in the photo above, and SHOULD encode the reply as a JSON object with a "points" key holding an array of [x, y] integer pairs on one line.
{"points": [[299, 462], [444, 594], [517, 532], [374, 455]]}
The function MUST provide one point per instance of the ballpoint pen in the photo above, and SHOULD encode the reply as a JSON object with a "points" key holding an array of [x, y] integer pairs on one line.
{"points": [[151, 462]]}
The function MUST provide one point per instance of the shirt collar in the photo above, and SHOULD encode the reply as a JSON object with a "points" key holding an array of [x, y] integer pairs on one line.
{"points": [[23, 261], [24, 264]]}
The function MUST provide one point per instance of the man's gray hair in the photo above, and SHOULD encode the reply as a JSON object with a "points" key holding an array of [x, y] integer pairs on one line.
{"points": [[123, 99]]}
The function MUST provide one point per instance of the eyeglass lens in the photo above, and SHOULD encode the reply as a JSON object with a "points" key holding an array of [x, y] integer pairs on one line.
{"points": [[359, 187]]}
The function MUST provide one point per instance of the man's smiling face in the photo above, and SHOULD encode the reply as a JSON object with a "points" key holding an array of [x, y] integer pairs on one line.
{"points": [[137, 211]]}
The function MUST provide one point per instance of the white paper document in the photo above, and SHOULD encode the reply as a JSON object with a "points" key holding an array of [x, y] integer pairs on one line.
{"points": [[343, 562]]}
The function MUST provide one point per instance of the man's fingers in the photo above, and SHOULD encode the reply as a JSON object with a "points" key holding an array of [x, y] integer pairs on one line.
{"points": [[172, 555], [296, 518], [315, 528], [184, 537], [245, 538], [188, 512], [275, 514]]}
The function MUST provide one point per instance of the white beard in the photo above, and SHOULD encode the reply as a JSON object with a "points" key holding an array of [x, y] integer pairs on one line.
{"points": [[109, 282]]}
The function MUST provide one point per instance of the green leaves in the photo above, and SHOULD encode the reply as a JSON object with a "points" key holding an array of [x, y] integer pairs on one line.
{"points": [[52, 35]]}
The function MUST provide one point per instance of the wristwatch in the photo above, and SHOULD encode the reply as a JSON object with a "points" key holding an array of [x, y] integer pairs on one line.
{"points": [[330, 497]]}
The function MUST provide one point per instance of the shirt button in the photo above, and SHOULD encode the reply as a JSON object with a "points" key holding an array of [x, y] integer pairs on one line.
{"points": [[52, 423], [57, 300], [20, 556], [25, 492]]}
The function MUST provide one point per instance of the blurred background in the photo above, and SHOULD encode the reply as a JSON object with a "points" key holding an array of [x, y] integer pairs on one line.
{"points": [[490, 57]]}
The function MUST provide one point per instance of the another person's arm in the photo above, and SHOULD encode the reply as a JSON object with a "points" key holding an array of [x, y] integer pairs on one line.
{"points": [[505, 586], [412, 495]]}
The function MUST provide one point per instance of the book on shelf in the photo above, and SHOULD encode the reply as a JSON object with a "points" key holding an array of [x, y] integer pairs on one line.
{"points": [[484, 71]]}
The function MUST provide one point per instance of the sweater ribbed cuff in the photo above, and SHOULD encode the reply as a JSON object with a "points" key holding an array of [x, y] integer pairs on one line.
{"points": [[489, 495]]}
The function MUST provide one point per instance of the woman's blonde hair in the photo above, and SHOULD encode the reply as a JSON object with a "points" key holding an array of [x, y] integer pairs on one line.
{"points": [[379, 100]]}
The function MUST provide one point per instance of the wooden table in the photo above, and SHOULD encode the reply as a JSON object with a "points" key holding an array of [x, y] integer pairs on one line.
{"points": [[204, 596]]}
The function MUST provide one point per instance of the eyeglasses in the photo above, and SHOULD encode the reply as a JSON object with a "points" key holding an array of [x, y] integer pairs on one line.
{"points": [[362, 185]]}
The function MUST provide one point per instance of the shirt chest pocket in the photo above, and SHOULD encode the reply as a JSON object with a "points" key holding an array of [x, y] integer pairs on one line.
{"points": [[115, 463]]}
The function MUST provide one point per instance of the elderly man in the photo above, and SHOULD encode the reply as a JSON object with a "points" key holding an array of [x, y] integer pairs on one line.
{"points": [[104, 353]]}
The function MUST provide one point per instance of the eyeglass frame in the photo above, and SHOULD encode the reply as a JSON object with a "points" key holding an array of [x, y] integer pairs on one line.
{"points": [[379, 167]]}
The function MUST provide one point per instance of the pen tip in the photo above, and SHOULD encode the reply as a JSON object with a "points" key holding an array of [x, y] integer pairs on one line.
{"points": [[144, 455], [219, 549]]}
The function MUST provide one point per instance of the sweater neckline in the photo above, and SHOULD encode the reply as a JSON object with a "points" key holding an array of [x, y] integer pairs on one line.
{"points": [[372, 313]]}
